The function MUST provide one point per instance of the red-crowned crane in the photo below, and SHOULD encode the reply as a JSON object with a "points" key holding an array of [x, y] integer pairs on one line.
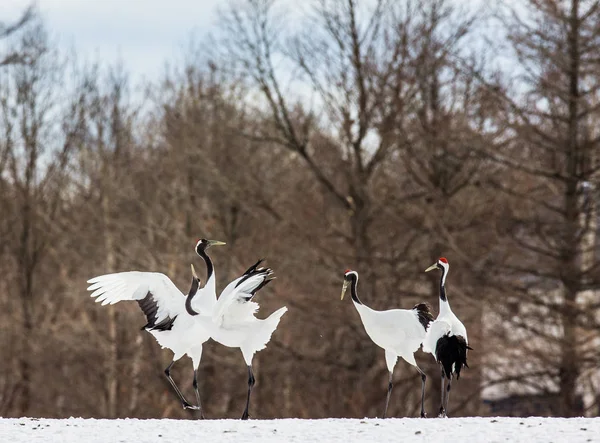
{"points": [[177, 322], [233, 322], [400, 332], [446, 338]]}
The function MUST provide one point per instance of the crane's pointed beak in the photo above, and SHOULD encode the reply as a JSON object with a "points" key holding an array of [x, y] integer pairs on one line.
{"points": [[216, 243], [194, 272], [344, 289], [432, 267]]}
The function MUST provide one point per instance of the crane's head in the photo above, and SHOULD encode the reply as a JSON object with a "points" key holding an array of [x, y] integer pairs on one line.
{"points": [[349, 275], [203, 244], [441, 264]]}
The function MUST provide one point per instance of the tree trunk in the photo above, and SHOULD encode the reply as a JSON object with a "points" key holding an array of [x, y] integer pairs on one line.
{"points": [[26, 289], [569, 365], [588, 225], [25, 367], [136, 363], [359, 221], [112, 326], [569, 369], [138, 351]]}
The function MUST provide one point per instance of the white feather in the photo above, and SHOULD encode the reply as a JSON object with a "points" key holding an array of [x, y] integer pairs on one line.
{"points": [[232, 306], [396, 330], [233, 316], [187, 333]]}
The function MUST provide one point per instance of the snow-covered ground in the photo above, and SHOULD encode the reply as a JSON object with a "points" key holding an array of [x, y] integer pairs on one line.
{"points": [[404, 430]]}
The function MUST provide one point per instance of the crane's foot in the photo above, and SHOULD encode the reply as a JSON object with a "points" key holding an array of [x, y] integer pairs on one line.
{"points": [[442, 413], [423, 414], [194, 408], [245, 415], [187, 405]]}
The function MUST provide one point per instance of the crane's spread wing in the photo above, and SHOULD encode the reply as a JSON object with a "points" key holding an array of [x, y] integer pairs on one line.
{"points": [[234, 303], [157, 296]]}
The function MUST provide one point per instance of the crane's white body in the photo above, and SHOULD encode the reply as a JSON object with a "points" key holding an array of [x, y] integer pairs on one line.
{"points": [[250, 336], [188, 332], [186, 338], [446, 323], [397, 331], [233, 318]]}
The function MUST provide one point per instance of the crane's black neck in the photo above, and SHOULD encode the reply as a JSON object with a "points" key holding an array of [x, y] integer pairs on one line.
{"points": [[191, 295], [443, 285], [353, 285], [209, 264]]}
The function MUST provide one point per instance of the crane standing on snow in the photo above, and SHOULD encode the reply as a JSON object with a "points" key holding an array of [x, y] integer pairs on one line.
{"points": [[399, 332], [177, 322], [446, 338], [234, 324]]}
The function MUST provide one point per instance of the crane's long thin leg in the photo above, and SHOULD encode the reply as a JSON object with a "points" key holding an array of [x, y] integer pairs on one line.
{"points": [[442, 410], [448, 393], [251, 381], [423, 379], [195, 383], [389, 393], [184, 402]]}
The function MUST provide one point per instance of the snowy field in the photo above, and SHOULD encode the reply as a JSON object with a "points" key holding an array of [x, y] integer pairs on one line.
{"points": [[405, 430]]}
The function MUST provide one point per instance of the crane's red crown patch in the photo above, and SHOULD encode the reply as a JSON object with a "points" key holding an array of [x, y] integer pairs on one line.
{"points": [[347, 270], [443, 260]]}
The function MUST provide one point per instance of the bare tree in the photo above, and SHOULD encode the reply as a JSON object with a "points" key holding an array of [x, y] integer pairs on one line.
{"points": [[370, 135], [37, 147], [548, 153], [27, 52], [373, 73]]}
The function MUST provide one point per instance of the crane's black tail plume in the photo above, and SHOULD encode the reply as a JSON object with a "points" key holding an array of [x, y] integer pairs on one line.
{"points": [[451, 352], [424, 313]]}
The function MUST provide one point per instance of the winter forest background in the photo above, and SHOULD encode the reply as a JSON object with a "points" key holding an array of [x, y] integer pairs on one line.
{"points": [[372, 135]]}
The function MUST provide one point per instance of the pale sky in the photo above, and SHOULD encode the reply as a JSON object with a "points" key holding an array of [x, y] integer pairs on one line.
{"points": [[142, 33]]}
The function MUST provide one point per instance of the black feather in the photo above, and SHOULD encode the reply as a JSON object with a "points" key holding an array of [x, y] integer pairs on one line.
{"points": [[424, 313], [262, 285], [254, 270], [150, 307], [451, 351], [191, 294]]}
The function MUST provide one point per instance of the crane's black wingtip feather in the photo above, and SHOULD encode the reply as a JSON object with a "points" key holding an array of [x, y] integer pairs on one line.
{"points": [[255, 270], [149, 307], [254, 267]]}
